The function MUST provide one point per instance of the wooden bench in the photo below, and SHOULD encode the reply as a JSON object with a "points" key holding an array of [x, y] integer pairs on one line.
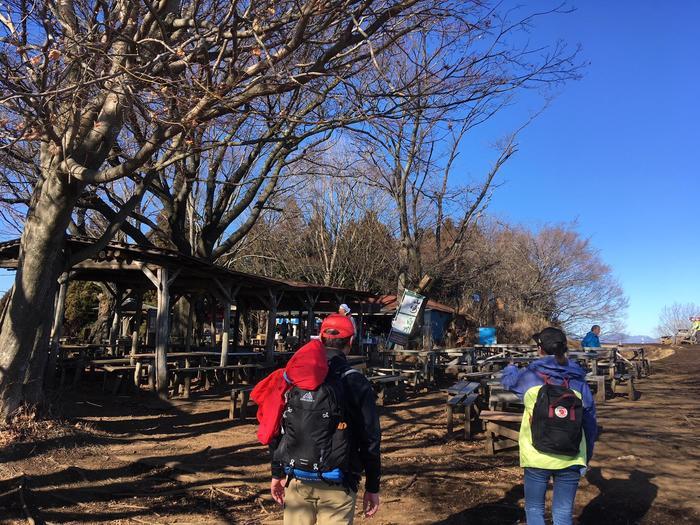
{"points": [[463, 396], [183, 375], [626, 380], [388, 387], [412, 375], [240, 393], [598, 382], [502, 430], [120, 372], [500, 399]]}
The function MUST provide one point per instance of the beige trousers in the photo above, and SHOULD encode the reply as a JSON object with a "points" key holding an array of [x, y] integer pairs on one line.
{"points": [[313, 502]]}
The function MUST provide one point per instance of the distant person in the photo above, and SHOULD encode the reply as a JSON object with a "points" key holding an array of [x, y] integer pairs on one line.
{"points": [[558, 428], [316, 466], [592, 339], [344, 309]]}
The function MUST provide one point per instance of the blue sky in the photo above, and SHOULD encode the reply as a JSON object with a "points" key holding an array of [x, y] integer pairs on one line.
{"points": [[617, 150]]}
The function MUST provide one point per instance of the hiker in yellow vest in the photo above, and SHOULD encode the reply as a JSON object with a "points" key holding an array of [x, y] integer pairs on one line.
{"points": [[558, 427]]}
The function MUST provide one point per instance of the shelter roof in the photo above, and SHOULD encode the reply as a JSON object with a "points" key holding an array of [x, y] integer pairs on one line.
{"points": [[123, 263]]}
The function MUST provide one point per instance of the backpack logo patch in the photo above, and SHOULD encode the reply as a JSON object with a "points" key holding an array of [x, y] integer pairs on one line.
{"points": [[561, 412], [308, 397]]}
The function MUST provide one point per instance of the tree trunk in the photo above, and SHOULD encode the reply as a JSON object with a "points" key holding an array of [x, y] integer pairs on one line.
{"points": [[402, 281], [26, 325], [181, 315], [100, 328]]}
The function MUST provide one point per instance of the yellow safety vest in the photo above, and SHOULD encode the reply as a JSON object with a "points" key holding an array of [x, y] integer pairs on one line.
{"points": [[529, 455]]}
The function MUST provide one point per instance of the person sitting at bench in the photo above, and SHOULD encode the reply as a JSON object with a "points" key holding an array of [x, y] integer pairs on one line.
{"points": [[592, 339], [558, 427]]}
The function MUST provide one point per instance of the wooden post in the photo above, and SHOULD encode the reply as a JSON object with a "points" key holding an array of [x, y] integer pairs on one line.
{"points": [[116, 320], [427, 332], [273, 302], [138, 306], [56, 329], [243, 322], [162, 324], [236, 325], [212, 323], [360, 331], [225, 333], [310, 303], [190, 318]]}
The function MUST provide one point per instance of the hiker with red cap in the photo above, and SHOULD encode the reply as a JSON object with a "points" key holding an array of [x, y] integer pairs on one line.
{"points": [[320, 419]]}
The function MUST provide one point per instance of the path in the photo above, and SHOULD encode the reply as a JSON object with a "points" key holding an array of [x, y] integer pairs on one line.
{"points": [[647, 464], [122, 460]]}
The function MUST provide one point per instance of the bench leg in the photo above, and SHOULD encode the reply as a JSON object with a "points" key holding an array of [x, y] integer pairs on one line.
{"points": [[234, 402], [78, 372], [244, 405], [381, 396], [177, 382], [450, 422], [137, 374], [600, 391], [467, 422], [630, 389], [186, 386], [117, 383], [490, 450], [152, 378]]}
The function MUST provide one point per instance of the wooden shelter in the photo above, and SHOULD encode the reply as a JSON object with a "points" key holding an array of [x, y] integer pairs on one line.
{"points": [[130, 270]]}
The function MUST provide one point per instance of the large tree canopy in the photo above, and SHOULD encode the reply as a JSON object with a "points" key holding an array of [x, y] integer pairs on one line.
{"points": [[97, 92]]}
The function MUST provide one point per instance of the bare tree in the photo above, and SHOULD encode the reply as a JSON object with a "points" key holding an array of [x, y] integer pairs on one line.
{"points": [[459, 78], [108, 91], [521, 281], [571, 275], [329, 232], [676, 317]]}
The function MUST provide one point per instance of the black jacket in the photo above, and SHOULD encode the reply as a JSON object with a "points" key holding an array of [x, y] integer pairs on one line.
{"points": [[363, 422]]}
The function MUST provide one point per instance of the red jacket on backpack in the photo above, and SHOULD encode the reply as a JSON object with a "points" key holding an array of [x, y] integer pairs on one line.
{"points": [[306, 369]]}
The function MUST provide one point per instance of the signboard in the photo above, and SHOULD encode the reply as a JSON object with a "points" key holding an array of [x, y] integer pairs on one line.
{"points": [[404, 322]]}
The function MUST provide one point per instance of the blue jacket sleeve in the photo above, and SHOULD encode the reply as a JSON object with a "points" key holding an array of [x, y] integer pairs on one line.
{"points": [[590, 425], [512, 379]]}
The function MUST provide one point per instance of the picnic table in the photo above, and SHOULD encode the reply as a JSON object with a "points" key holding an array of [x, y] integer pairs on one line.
{"points": [[241, 374], [456, 361], [463, 396], [497, 362], [502, 430], [386, 384], [424, 366], [183, 366]]}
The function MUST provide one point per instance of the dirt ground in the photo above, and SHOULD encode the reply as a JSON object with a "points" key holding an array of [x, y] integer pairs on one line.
{"points": [[125, 459]]}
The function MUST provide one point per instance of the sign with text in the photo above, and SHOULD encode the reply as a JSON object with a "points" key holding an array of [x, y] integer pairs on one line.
{"points": [[404, 322]]}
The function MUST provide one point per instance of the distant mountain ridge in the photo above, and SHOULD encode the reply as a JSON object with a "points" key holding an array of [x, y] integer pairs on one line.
{"points": [[628, 339]]}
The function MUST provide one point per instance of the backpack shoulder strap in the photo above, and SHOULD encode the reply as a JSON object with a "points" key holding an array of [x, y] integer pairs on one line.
{"points": [[350, 371]]}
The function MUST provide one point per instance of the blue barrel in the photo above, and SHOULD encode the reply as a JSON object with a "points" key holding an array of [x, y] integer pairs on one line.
{"points": [[487, 335]]}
